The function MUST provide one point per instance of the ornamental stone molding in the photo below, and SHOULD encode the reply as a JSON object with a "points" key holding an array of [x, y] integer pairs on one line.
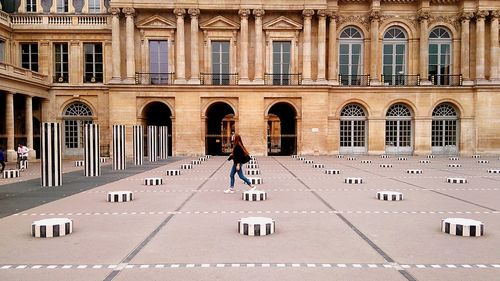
{"points": [[244, 13], [323, 13], [423, 15], [307, 13], [374, 15], [363, 20], [128, 11], [453, 20], [179, 12], [333, 15], [114, 11], [481, 14], [259, 12], [466, 16], [495, 14], [193, 12]]}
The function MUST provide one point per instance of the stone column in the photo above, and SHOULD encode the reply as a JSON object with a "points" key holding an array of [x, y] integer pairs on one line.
{"points": [[464, 46], [494, 48], [9, 123], [374, 54], [29, 127], [259, 67], [43, 59], [480, 48], [243, 72], [423, 17], [195, 57], [332, 49], [180, 57], [322, 47], [306, 47], [115, 43], [130, 43]]}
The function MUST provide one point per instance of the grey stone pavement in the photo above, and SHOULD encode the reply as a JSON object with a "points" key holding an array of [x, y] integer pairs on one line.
{"points": [[186, 229]]}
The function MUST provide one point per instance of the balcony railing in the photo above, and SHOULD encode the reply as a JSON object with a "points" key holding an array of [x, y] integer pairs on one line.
{"points": [[23, 73], [59, 20], [61, 78], [401, 80], [354, 80], [219, 79], [281, 79], [446, 80], [93, 79], [163, 78], [4, 18]]}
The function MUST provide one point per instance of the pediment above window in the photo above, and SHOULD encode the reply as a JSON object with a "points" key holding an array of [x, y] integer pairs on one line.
{"points": [[219, 22], [282, 23], [156, 22]]}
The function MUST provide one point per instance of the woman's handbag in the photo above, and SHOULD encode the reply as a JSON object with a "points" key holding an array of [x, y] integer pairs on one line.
{"points": [[246, 158]]}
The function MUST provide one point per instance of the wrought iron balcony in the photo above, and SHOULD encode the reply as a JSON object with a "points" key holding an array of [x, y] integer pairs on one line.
{"points": [[446, 80], [89, 78], [283, 79], [354, 80], [401, 80], [219, 79], [161, 78], [61, 78]]}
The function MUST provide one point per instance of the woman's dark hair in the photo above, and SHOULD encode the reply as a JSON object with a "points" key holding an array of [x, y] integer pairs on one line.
{"points": [[238, 141]]}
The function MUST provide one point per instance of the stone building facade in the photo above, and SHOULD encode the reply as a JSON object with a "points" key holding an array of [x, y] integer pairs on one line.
{"points": [[313, 77]]}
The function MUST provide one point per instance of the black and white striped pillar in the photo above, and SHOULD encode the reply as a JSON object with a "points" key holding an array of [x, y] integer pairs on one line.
{"points": [[152, 143], [51, 157], [138, 144], [119, 162], [163, 142], [92, 150]]}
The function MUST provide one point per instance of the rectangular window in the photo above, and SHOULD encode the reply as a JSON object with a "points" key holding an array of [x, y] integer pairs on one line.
{"points": [[281, 62], [2, 51], [61, 63], [220, 62], [29, 56], [62, 6], [31, 6], [94, 6], [93, 63], [158, 62]]}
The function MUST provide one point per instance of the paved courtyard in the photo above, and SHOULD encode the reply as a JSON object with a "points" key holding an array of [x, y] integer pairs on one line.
{"points": [[186, 229]]}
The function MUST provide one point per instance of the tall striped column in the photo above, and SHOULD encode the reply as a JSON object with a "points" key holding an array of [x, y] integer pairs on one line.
{"points": [[92, 150], [51, 154], [163, 142], [152, 143], [138, 143], [119, 147]]}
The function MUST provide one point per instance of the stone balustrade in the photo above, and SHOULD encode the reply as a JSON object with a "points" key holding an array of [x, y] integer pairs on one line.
{"points": [[60, 21], [26, 74]]}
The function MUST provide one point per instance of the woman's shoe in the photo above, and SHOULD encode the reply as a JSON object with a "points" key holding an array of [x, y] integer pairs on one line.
{"points": [[229, 190], [252, 187]]}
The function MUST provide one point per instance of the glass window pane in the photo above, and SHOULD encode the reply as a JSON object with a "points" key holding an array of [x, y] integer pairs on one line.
{"points": [[387, 49], [356, 48]]}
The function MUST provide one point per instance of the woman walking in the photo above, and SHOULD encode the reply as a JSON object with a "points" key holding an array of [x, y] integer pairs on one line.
{"points": [[239, 156]]}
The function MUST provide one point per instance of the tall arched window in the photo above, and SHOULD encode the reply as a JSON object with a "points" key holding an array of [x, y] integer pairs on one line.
{"points": [[444, 129], [352, 129], [351, 56], [440, 56], [394, 56], [75, 116], [398, 130]]}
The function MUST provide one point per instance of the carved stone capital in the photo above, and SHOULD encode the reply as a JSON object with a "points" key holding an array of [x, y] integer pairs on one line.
{"points": [[495, 14], [481, 14], [466, 16], [193, 12], [374, 16], [179, 12], [114, 11], [323, 13], [423, 16], [259, 12], [333, 15], [244, 13], [128, 11], [307, 13]]}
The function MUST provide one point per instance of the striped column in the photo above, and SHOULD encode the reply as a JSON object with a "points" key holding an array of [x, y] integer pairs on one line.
{"points": [[119, 147], [92, 150], [163, 142], [152, 143], [138, 143], [51, 156]]}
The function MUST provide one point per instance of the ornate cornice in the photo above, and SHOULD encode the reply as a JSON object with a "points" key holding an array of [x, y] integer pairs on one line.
{"points": [[259, 12], [453, 20], [128, 11], [466, 16], [323, 13], [179, 12], [193, 12], [363, 20], [481, 14], [374, 15], [423, 15], [244, 13], [307, 13], [495, 14], [444, 2], [333, 15], [114, 11]]}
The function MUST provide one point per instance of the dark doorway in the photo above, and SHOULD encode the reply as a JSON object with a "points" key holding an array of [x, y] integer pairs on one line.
{"points": [[220, 125], [158, 114], [281, 130]]}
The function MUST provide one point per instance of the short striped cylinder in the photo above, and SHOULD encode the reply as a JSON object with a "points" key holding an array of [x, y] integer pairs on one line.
{"points": [[172, 172], [138, 144], [51, 154], [255, 180], [54, 227], [483, 161], [208, 156], [252, 166], [10, 174], [430, 156], [462, 227], [120, 196], [385, 165], [92, 150], [253, 158], [389, 196], [252, 172], [79, 163], [152, 143], [384, 156], [353, 180], [186, 166], [318, 166], [202, 159], [308, 161], [163, 142], [119, 162], [195, 162], [476, 156], [366, 161], [454, 165], [153, 181], [294, 156], [103, 159], [332, 172], [456, 180], [300, 158], [454, 158], [254, 195], [496, 171], [424, 161], [350, 158], [340, 156], [252, 162], [413, 171], [256, 226], [402, 158], [23, 165]]}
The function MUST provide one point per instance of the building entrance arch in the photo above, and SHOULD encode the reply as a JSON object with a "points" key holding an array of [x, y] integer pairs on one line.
{"points": [[220, 125], [282, 130], [157, 114]]}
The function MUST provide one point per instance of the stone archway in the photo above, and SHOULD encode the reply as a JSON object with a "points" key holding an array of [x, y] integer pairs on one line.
{"points": [[157, 114], [282, 129], [220, 124]]}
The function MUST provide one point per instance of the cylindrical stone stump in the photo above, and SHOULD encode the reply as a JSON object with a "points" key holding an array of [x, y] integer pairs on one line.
{"points": [[79, 163], [252, 166], [255, 180], [163, 142], [103, 159], [308, 161], [353, 180], [202, 159], [54, 227], [138, 144], [23, 165], [195, 162], [186, 166], [332, 172], [462, 227], [318, 166], [252, 172], [476, 156], [351, 158], [454, 165], [252, 162], [92, 150], [120, 196], [454, 158], [385, 165], [51, 154], [173, 172], [414, 171], [430, 156], [207, 156], [366, 161], [119, 161], [152, 143], [389, 196], [384, 156], [456, 180], [425, 161], [153, 181], [256, 226], [340, 156], [483, 161], [300, 158], [294, 156], [496, 171], [402, 158], [10, 174], [254, 195]]}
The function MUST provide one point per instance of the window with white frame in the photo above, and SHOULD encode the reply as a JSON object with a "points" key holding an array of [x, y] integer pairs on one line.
{"points": [[440, 56], [350, 56], [29, 56], [394, 56], [61, 65], [281, 62], [31, 6], [75, 117], [62, 6], [220, 62], [93, 62], [94, 6]]}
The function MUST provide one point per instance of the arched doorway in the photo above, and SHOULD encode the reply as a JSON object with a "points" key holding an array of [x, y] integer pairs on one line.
{"points": [[220, 126], [399, 130], [281, 130], [75, 116], [353, 129], [444, 129], [157, 114]]}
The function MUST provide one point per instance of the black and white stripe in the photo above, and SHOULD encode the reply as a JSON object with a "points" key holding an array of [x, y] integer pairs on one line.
{"points": [[256, 226], [454, 165], [79, 163], [186, 166], [366, 161], [317, 166], [252, 161], [252, 166], [10, 174], [51, 158], [173, 172], [252, 172], [120, 196], [351, 158], [353, 180], [462, 227], [308, 161], [340, 156], [254, 195], [454, 158], [195, 162], [385, 165], [152, 143], [456, 180], [495, 171], [425, 161], [332, 172], [402, 158], [92, 150], [138, 144], [430, 156], [103, 159], [300, 158], [384, 156], [153, 181], [255, 180], [163, 142], [203, 159], [119, 162], [483, 161], [389, 196], [414, 171], [294, 156], [476, 156], [53, 227], [23, 165]]}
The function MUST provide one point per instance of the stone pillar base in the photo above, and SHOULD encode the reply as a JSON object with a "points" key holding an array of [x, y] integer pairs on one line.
{"points": [[11, 155], [322, 82], [376, 82], [482, 81], [116, 80], [258, 81], [307, 82], [180, 81], [333, 83], [194, 81], [129, 80], [468, 83], [244, 81], [31, 154], [425, 83]]}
